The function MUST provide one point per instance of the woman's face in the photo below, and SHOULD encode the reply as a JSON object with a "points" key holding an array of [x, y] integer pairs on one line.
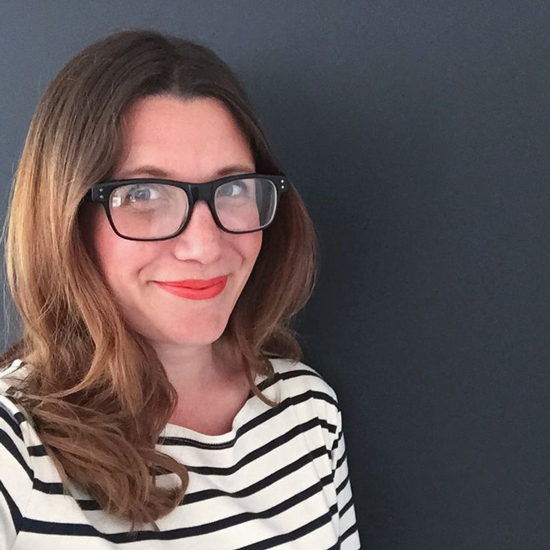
{"points": [[189, 140]]}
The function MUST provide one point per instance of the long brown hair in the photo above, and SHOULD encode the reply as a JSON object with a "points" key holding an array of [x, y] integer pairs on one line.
{"points": [[97, 394]]}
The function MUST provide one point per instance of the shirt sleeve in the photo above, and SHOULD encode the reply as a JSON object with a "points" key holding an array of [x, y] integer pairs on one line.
{"points": [[16, 474], [349, 535]]}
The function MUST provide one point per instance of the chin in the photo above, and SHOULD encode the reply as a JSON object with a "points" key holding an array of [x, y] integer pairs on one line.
{"points": [[196, 337]]}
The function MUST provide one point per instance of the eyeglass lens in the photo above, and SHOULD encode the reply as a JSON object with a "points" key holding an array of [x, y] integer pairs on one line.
{"points": [[158, 210]]}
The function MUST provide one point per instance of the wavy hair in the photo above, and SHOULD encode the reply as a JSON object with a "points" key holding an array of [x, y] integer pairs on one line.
{"points": [[97, 394]]}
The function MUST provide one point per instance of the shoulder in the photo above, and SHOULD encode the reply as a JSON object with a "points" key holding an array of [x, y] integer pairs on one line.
{"points": [[305, 400], [298, 377], [12, 374], [17, 475], [12, 415], [304, 385], [14, 424]]}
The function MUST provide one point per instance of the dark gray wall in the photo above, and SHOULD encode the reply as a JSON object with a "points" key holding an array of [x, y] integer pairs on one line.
{"points": [[417, 133]]}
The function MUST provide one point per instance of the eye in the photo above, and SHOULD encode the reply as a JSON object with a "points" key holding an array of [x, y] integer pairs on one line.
{"points": [[135, 194], [141, 192], [233, 189]]}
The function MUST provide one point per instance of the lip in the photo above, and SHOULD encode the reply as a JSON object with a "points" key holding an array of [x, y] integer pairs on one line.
{"points": [[195, 283], [195, 289]]}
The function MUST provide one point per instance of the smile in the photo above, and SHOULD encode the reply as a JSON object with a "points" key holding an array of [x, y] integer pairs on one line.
{"points": [[196, 289]]}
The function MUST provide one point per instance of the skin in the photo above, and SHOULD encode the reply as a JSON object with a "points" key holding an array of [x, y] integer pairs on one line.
{"points": [[190, 140]]}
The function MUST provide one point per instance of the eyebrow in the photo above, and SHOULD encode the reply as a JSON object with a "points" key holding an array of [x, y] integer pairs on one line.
{"points": [[156, 172]]}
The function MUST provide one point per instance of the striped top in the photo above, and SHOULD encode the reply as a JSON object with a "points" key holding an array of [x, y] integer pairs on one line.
{"points": [[278, 479]]}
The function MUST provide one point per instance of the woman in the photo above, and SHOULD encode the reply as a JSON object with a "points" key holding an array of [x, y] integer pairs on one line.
{"points": [[157, 254]]}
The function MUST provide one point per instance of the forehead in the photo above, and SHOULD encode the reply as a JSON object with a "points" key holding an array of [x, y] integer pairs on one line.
{"points": [[187, 137]]}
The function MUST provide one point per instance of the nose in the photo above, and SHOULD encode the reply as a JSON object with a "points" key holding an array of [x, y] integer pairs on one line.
{"points": [[202, 239]]}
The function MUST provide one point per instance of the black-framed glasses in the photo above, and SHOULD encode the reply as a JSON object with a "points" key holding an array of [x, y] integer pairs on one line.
{"points": [[151, 209]]}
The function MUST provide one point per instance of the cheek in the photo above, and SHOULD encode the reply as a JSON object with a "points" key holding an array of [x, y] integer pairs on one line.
{"points": [[115, 257], [251, 248]]}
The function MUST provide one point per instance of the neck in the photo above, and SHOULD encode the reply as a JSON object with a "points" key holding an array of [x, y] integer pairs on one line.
{"points": [[194, 370]]}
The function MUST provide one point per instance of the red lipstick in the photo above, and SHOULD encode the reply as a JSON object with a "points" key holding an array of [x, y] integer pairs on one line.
{"points": [[195, 289]]}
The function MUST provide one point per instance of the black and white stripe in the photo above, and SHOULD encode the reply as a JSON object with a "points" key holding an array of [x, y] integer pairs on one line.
{"points": [[278, 479]]}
